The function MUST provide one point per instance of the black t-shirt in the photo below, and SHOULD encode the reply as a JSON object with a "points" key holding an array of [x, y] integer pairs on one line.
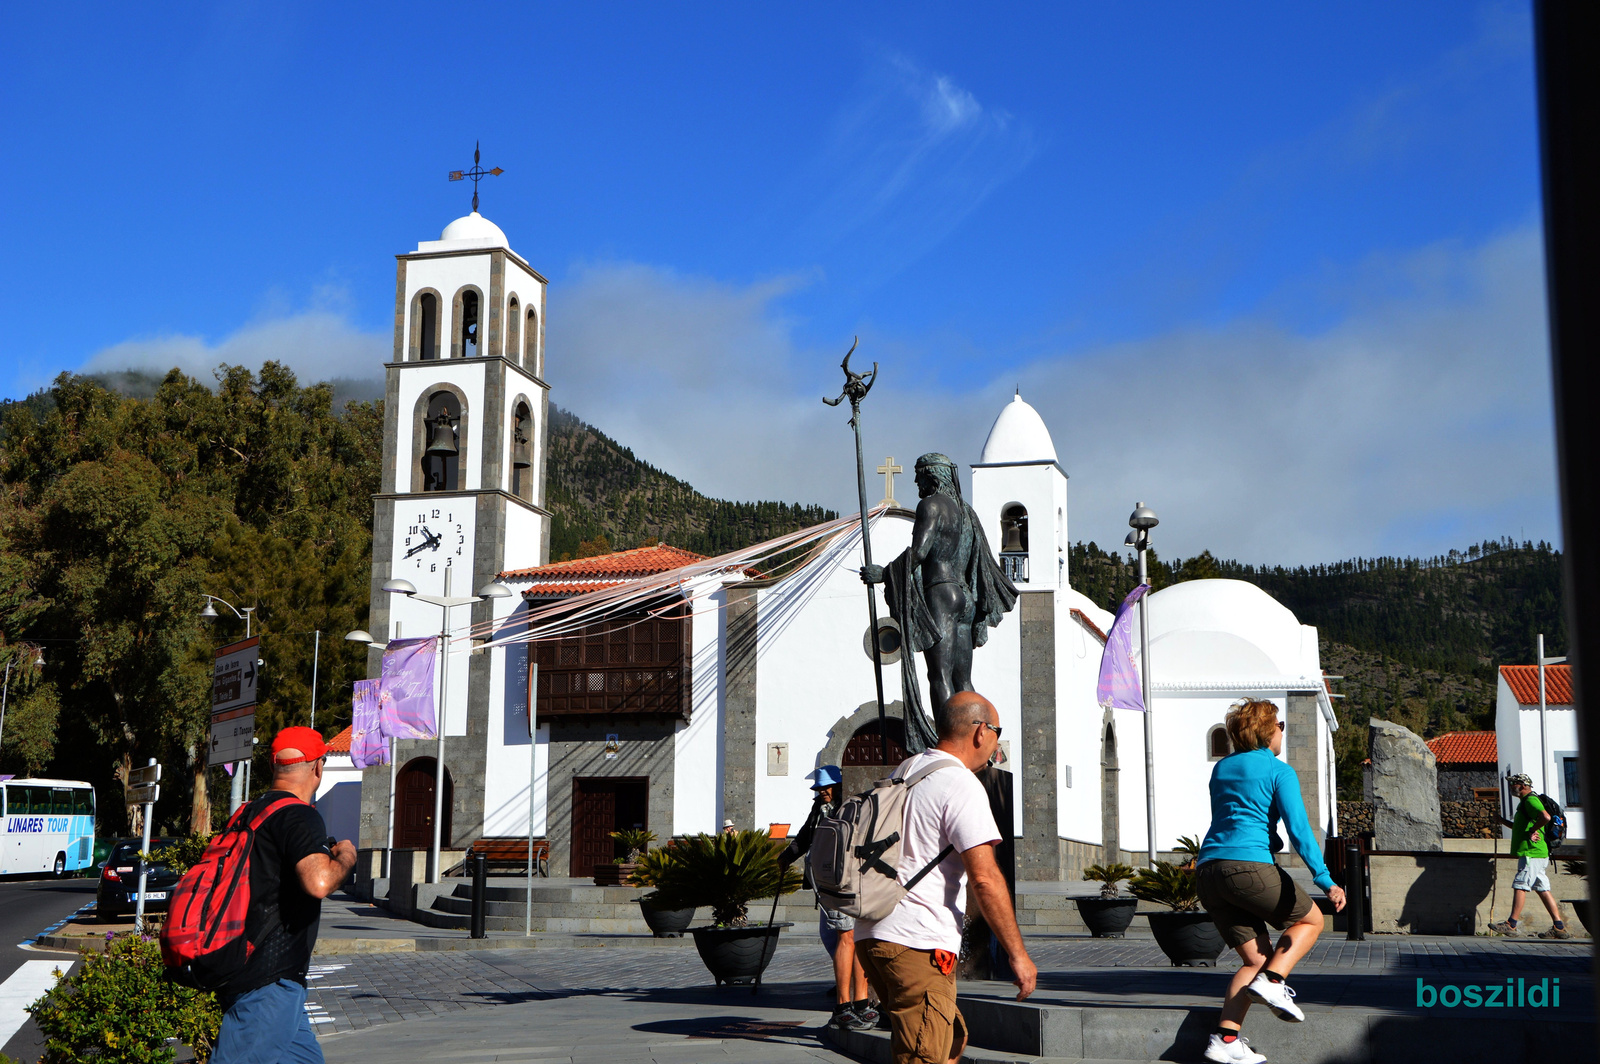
{"points": [[283, 919]]}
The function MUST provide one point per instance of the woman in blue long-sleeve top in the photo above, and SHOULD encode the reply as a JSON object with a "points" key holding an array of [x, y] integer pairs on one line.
{"points": [[1240, 885]]}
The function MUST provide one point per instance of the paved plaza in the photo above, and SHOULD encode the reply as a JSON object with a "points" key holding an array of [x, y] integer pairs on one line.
{"points": [[620, 1004]]}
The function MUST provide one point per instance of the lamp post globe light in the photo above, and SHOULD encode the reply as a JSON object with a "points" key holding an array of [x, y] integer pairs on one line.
{"points": [[400, 586], [1142, 520]]}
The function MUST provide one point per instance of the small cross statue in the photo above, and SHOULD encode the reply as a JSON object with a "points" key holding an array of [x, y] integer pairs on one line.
{"points": [[889, 469]]}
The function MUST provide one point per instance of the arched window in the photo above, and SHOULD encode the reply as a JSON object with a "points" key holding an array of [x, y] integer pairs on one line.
{"points": [[522, 453], [530, 340], [1217, 744], [1014, 542], [426, 326], [469, 324], [441, 453], [513, 325]]}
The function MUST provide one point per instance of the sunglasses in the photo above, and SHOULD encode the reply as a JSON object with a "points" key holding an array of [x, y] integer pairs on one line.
{"points": [[992, 727], [1280, 725]]}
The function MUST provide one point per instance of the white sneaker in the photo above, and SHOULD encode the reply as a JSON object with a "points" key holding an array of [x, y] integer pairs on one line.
{"points": [[1279, 997], [1237, 1051]]}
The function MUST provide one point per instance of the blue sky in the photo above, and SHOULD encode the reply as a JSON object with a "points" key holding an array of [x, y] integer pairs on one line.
{"points": [[1303, 245]]}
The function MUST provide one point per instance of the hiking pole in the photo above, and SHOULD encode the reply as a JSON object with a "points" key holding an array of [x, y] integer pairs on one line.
{"points": [[856, 387]]}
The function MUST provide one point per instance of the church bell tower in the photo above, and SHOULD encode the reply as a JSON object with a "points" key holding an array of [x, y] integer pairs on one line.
{"points": [[463, 491]]}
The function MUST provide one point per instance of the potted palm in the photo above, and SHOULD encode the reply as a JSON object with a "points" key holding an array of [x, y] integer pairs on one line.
{"points": [[664, 923], [1108, 915], [634, 842], [725, 872], [1185, 933], [1579, 905]]}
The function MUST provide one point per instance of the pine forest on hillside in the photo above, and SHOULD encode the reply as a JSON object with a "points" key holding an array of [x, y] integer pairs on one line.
{"points": [[120, 505]]}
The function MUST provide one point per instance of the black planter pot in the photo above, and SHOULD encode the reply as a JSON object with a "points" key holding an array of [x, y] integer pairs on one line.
{"points": [[736, 955], [1107, 917], [666, 923], [1189, 940]]}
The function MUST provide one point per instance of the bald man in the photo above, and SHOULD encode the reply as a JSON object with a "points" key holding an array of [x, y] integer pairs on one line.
{"points": [[294, 864], [909, 956]]}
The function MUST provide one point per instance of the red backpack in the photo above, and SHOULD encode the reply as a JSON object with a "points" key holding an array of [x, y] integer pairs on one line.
{"points": [[202, 941]]}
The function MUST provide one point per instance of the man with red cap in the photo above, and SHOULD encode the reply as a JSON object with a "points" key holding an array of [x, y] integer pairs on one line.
{"points": [[294, 864]]}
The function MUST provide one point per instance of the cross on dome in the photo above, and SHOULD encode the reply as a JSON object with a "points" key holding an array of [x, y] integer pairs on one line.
{"points": [[477, 173]]}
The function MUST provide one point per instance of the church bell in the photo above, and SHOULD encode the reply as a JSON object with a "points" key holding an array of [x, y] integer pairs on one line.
{"points": [[520, 456], [1012, 539], [441, 437]]}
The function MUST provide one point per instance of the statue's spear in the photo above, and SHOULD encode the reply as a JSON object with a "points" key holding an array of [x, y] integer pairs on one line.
{"points": [[856, 387]]}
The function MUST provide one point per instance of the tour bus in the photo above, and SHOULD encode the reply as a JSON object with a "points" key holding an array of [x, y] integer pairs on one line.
{"points": [[49, 826]]}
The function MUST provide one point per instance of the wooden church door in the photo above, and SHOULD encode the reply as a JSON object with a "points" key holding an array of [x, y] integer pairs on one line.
{"points": [[413, 800], [601, 805]]}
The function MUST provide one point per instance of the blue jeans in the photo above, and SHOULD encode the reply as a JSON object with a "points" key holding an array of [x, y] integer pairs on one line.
{"points": [[267, 1026]]}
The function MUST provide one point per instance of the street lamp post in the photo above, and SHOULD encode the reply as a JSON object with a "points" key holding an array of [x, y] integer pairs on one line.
{"points": [[1142, 520], [237, 787], [398, 586]]}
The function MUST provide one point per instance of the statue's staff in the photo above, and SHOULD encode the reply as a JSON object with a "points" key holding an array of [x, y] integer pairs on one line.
{"points": [[856, 387]]}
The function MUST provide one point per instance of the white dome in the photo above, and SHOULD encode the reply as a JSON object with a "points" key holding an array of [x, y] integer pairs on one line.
{"points": [[1018, 435], [474, 227], [1225, 629]]}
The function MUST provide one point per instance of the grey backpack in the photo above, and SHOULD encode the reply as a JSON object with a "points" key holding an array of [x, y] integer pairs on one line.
{"points": [[855, 852]]}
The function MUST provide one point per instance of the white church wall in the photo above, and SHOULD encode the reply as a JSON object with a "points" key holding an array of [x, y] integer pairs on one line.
{"points": [[507, 780], [1078, 717], [697, 746], [997, 676], [812, 666], [447, 275]]}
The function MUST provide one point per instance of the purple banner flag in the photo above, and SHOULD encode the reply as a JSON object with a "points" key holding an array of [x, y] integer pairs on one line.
{"points": [[405, 702], [367, 744], [1119, 686]]}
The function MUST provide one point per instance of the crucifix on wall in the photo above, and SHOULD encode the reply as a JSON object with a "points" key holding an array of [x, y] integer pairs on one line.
{"points": [[889, 469]]}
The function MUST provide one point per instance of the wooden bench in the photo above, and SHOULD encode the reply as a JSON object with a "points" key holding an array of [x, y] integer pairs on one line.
{"points": [[506, 853]]}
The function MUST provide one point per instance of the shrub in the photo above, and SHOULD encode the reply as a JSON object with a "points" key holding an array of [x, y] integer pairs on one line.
{"points": [[636, 841], [119, 1007], [1190, 845], [647, 870], [1108, 876], [724, 872], [1174, 886], [182, 854]]}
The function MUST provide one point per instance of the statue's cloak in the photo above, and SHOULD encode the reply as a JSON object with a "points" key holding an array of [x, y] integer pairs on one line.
{"points": [[992, 593]]}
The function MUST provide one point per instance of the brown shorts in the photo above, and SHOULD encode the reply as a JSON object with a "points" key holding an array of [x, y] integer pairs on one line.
{"points": [[924, 1023], [1243, 897]]}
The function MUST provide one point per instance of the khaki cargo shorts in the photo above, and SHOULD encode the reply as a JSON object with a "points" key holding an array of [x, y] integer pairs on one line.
{"points": [[1243, 897], [924, 1023]]}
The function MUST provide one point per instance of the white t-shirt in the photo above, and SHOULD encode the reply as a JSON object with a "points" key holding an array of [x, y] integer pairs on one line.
{"points": [[948, 808]]}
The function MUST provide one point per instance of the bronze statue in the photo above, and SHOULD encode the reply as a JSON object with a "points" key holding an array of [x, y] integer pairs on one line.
{"points": [[946, 591]]}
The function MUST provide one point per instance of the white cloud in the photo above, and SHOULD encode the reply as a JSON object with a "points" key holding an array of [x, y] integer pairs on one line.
{"points": [[318, 344], [1419, 422]]}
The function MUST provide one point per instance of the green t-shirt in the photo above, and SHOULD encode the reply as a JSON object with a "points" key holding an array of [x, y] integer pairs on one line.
{"points": [[1524, 824]]}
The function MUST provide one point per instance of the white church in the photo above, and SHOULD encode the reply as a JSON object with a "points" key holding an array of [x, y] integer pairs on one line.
{"points": [[722, 708]]}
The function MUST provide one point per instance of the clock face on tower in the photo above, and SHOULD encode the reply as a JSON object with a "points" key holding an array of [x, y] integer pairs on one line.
{"points": [[431, 539]]}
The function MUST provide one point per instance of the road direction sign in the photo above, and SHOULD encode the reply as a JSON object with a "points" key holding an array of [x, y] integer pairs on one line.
{"points": [[144, 774], [232, 733], [146, 794], [234, 675]]}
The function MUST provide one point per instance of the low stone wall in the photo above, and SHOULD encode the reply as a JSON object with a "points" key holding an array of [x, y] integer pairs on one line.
{"points": [[1461, 820], [1354, 818], [1459, 893], [1474, 819]]}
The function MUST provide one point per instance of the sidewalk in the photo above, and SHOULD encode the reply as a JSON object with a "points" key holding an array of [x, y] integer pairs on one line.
{"points": [[651, 999]]}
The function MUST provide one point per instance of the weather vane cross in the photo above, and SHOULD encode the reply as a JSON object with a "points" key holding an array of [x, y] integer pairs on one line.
{"points": [[477, 173]]}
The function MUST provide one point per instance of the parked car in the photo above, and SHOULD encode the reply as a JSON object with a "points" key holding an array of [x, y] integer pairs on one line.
{"points": [[119, 881]]}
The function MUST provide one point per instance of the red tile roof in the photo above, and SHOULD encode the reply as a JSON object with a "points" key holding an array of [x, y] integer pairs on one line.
{"points": [[1524, 683], [623, 564], [1465, 748], [340, 744]]}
